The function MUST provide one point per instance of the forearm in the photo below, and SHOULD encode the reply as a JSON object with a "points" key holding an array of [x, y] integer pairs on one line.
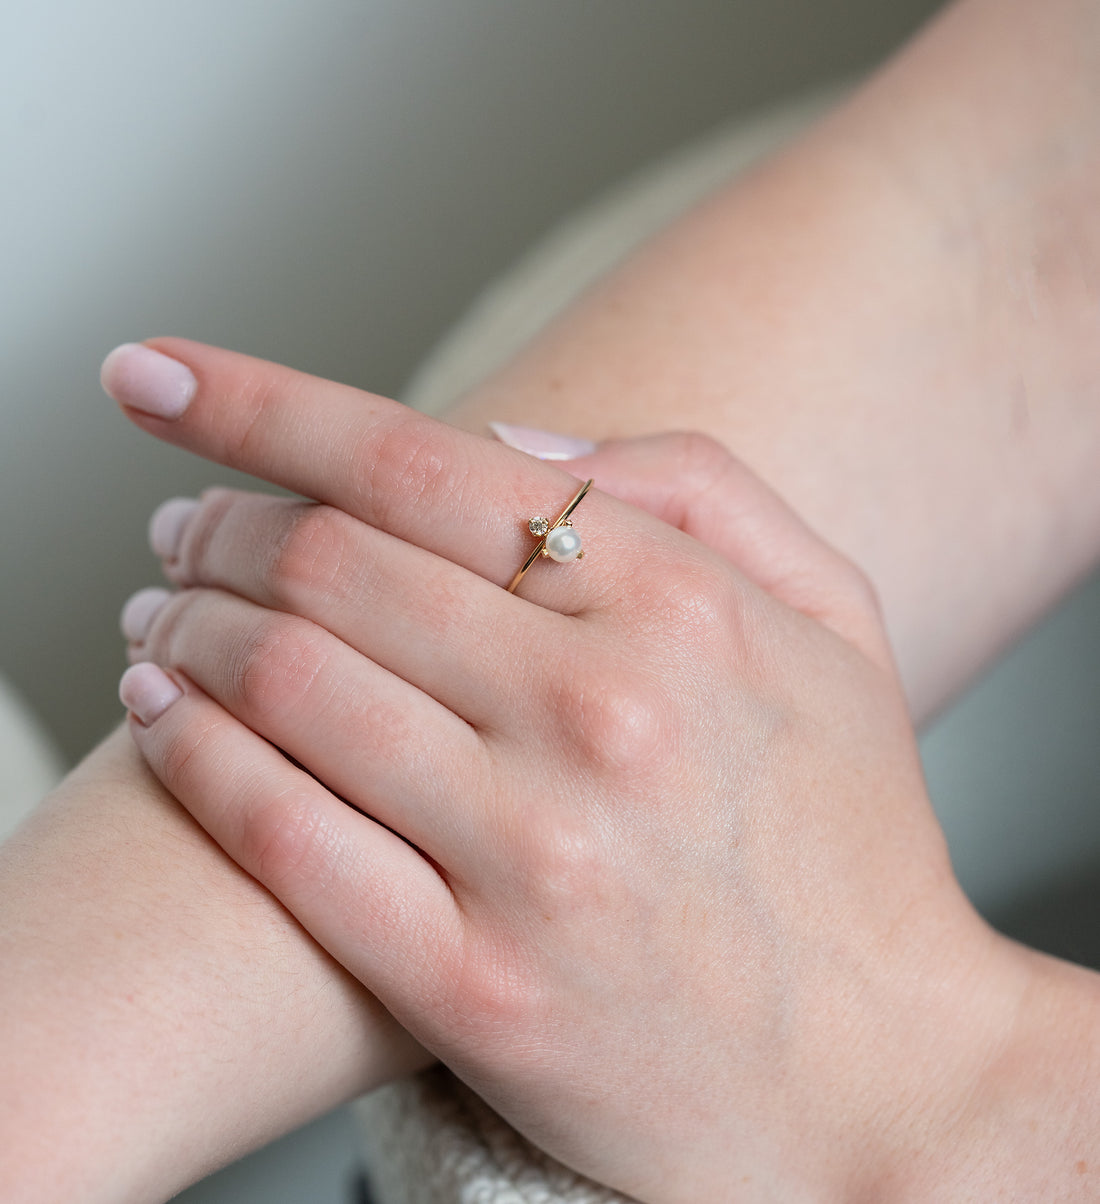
{"points": [[1024, 1127], [166, 1013], [894, 324], [840, 320], [920, 1057]]}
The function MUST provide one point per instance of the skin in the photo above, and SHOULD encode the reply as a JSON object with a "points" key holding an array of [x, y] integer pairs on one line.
{"points": [[664, 1006], [166, 1015], [942, 217], [894, 324]]}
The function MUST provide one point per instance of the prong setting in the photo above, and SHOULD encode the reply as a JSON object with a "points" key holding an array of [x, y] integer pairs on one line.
{"points": [[556, 540]]}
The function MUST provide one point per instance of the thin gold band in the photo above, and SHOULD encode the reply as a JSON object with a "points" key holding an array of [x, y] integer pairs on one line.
{"points": [[561, 521]]}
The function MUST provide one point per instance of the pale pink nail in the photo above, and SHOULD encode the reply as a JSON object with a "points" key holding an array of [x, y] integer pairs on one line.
{"points": [[543, 445], [140, 611], [140, 377], [167, 524], [147, 691]]}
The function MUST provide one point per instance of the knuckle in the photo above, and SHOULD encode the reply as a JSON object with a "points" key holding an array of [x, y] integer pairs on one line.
{"points": [[406, 463], [836, 592], [257, 390], [862, 594], [570, 873], [182, 757], [494, 982], [564, 859], [860, 615], [282, 839], [701, 458], [696, 606], [312, 556], [488, 989], [618, 722], [272, 667]]}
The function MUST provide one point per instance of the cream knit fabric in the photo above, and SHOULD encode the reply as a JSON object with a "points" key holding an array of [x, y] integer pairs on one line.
{"points": [[430, 1140]]}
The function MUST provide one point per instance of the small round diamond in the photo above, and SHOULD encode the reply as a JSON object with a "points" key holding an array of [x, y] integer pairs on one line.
{"points": [[538, 526]]}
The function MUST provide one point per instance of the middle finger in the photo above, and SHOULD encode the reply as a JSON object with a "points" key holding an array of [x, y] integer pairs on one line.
{"points": [[444, 629]]}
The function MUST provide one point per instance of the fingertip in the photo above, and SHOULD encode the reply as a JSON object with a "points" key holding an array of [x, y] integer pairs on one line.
{"points": [[147, 380], [168, 523], [543, 445], [139, 612], [146, 691]]}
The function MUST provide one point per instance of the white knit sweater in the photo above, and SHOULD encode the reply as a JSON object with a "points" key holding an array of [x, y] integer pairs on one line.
{"points": [[430, 1139]]}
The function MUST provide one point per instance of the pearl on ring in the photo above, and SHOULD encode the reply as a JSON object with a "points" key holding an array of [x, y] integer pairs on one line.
{"points": [[556, 539], [563, 544]]}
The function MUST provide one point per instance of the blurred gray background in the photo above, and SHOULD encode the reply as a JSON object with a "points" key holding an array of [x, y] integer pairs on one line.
{"points": [[329, 184], [324, 183]]}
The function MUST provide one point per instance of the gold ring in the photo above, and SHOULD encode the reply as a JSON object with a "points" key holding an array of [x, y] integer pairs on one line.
{"points": [[557, 540]]}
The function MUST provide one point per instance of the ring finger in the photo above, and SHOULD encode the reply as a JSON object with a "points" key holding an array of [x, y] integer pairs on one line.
{"points": [[447, 631]]}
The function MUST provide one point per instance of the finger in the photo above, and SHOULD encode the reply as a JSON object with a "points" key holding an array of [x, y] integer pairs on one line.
{"points": [[428, 621], [693, 483], [371, 737], [458, 495], [363, 893]]}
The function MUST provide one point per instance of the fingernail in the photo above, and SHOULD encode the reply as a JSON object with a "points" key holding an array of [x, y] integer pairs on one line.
{"points": [[543, 445], [142, 378], [140, 611], [147, 691], [167, 524]]}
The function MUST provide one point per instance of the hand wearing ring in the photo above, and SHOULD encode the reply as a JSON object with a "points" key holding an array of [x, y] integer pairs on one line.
{"points": [[613, 887]]}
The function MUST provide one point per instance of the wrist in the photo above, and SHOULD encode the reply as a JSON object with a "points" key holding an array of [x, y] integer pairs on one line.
{"points": [[1000, 1104]]}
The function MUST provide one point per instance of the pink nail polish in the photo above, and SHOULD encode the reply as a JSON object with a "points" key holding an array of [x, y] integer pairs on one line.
{"points": [[168, 523], [147, 691], [543, 445], [142, 378], [140, 611]]}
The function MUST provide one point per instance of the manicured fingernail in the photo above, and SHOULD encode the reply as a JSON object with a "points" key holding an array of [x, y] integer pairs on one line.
{"points": [[543, 445], [140, 377], [147, 691], [140, 611], [167, 524]]}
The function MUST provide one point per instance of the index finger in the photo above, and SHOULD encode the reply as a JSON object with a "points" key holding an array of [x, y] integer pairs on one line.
{"points": [[459, 495]]}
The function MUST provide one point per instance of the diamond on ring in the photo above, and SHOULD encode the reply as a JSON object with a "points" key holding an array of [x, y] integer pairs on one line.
{"points": [[538, 526]]}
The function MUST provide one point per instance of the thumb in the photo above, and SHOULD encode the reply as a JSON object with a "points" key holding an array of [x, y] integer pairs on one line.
{"points": [[692, 482]]}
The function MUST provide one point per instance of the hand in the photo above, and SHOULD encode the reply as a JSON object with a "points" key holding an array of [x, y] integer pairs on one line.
{"points": [[643, 853]]}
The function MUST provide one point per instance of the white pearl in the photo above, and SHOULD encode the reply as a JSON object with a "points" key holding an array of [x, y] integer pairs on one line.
{"points": [[563, 544]]}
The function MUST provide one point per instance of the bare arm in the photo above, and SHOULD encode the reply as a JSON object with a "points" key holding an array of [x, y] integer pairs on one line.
{"points": [[895, 324], [160, 1012], [892, 323]]}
